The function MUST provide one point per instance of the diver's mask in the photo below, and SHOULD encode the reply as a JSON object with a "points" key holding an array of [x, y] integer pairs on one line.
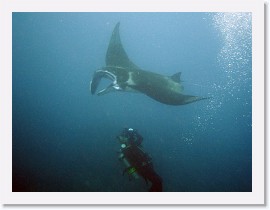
{"points": [[123, 139]]}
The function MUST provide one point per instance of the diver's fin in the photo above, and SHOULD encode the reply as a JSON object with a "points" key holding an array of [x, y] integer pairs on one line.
{"points": [[116, 55], [176, 77]]}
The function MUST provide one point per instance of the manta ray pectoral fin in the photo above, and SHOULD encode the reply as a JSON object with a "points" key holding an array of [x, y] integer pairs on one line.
{"points": [[116, 55]]}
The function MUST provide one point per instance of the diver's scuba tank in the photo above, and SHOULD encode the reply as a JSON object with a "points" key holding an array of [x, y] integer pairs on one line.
{"points": [[131, 170]]}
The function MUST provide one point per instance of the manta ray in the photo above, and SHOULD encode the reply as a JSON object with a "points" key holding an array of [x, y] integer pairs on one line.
{"points": [[127, 76]]}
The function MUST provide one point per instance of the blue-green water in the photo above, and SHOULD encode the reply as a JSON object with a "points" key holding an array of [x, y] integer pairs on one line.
{"points": [[64, 138]]}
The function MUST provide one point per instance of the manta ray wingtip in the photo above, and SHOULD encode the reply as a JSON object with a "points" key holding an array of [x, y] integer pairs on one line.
{"points": [[117, 24], [115, 33]]}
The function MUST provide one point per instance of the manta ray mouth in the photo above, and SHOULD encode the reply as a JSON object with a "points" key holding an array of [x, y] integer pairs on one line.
{"points": [[98, 75]]}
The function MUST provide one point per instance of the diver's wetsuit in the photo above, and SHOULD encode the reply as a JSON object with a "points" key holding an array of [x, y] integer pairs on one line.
{"points": [[142, 162]]}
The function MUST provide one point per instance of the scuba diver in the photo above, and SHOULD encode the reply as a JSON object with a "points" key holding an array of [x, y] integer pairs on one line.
{"points": [[136, 160]]}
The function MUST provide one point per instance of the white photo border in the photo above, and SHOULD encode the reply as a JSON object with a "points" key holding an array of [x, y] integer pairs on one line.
{"points": [[256, 7]]}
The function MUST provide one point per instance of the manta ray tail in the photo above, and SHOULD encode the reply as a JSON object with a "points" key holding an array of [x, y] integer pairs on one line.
{"points": [[190, 99]]}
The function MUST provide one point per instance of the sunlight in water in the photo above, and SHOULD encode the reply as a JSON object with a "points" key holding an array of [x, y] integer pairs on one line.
{"points": [[234, 64], [234, 57]]}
